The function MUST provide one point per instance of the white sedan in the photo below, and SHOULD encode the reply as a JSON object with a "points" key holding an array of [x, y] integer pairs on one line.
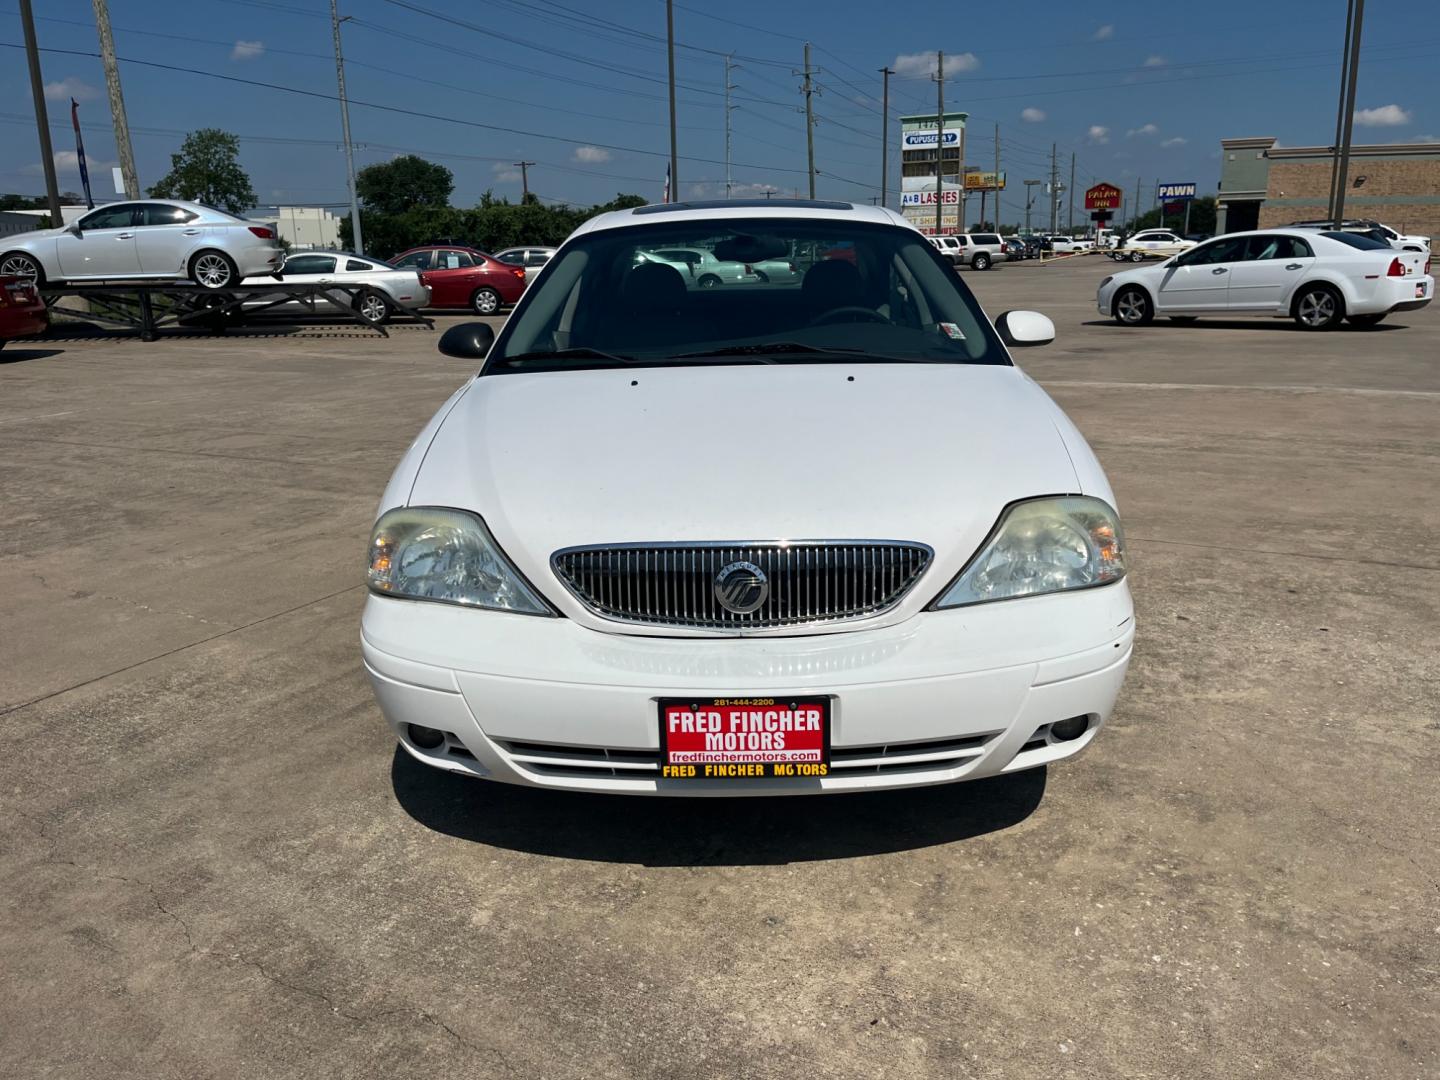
{"points": [[1152, 244], [1318, 278], [387, 288], [751, 566]]}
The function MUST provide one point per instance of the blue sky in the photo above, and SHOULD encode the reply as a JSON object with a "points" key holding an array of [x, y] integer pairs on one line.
{"points": [[1141, 90]]}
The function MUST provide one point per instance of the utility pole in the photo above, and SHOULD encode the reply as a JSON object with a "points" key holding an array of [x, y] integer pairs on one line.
{"points": [[939, 78], [356, 238], [1343, 171], [1054, 195], [670, 56], [885, 73], [1135, 206], [809, 91], [1029, 202], [997, 177], [1340, 110], [42, 118], [524, 167], [117, 100], [729, 180], [1070, 194]]}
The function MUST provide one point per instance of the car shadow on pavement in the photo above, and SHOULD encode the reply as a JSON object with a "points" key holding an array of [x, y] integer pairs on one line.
{"points": [[651, 831], [1202, 323], [12, 355]]}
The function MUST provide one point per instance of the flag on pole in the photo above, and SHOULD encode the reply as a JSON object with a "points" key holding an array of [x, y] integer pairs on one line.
{"points": [[80, 153], [666, 199]]}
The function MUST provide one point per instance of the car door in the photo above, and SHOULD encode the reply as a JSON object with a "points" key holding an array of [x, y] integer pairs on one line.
{"points": [[102, 245], [308, 269], [453, 279], [164, 238], [1272, 267], [1199, 279]]}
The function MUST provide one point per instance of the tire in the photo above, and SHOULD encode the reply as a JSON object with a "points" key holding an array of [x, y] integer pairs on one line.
{"points": [[1132, 307], [1183, 320], [981, 261], [1365, 322], [372, 307], [708, 281], [1318, 307], [1135, 256], [22, 265], [212, 269], [485, 301]]}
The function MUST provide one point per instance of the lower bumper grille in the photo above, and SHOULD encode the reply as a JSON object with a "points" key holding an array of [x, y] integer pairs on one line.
{"points": [[738, 587]]}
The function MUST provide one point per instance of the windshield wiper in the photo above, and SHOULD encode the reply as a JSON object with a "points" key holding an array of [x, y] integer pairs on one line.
{"points": [[773, 347], [570, 354]]}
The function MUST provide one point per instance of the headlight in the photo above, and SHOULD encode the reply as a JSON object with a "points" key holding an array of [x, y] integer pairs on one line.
{"points": [[1043, 546], [429, 553]]}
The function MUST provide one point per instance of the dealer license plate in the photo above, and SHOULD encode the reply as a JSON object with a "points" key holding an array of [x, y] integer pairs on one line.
{"points": [[744, 738], [1419, 290]]}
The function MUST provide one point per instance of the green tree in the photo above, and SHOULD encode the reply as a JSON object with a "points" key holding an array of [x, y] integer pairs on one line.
{"points": [[403, 183], [207, 170], [1202, 217]]}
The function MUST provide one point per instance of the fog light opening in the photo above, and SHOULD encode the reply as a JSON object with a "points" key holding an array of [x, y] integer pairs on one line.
{"points": [[426, 738], [1073, 728]]}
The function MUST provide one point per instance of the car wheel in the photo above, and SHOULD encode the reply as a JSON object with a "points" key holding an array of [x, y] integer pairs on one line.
{"points": [[18, 264], [1183, 320], [1133, 307], [485, 301], [1364, 322], [1135, 256], [372, 307], [709, 281], [1318, 307], [213, 270], [981, 261]]}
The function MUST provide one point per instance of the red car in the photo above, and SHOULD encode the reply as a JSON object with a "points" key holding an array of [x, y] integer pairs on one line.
{"points": [[22, 312], [463, 277]]}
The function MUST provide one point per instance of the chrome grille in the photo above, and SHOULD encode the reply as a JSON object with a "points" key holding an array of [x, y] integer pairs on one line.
{"points": [[809, 581]]}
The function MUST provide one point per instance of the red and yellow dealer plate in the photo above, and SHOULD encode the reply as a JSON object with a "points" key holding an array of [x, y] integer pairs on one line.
{"points": [[744, 738]]}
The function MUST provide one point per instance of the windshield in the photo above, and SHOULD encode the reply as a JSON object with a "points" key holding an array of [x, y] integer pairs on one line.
{"points": [[765, 290]]}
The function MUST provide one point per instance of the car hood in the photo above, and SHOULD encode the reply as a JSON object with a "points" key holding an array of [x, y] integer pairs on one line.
{"points": [[917, 452]]}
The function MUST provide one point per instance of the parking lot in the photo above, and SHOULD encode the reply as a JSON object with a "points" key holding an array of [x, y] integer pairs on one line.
{"points": [[217, 864]]}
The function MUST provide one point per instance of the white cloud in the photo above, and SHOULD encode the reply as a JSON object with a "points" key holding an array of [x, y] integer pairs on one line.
{"points": [[592, 155], [715, 189], [1155, 61], [69, 87], [1099, 133], [1384, 116], [68, 161], [1144, 129], [1104, 33], [1426, 138], [910, 65], [1176, 141], [505, 174], [247, 50], [1032, 115]]}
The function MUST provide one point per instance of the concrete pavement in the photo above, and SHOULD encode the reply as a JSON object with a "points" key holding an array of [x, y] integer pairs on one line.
{"points": [[216, 865]]}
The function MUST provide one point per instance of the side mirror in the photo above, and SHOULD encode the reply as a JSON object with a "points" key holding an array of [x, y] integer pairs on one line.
{"points": [[1025, 329], [73, 229], [468, 341]]}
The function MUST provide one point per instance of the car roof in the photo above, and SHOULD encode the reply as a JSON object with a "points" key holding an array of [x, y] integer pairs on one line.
{"points": [[723, 209]]}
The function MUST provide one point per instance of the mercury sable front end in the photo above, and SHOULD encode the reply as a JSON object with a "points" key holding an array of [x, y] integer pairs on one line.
{"points": [[771, 539]]}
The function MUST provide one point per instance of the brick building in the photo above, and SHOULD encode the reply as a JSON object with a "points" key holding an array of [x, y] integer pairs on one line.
{"points": [[1264, 185]]}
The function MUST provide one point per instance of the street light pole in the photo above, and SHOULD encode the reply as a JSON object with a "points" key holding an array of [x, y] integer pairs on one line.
{"points": [[885, 73], [1343, 172], [357, 240], [670, 57]]}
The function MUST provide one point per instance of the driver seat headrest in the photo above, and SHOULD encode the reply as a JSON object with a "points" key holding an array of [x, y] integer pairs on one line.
{"points": [[833, 283]]}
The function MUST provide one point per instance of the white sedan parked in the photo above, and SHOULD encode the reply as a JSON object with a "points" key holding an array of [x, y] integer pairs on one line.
{"points": [[386, 288], [1152, 243], [1318, 278], [751, 566]]}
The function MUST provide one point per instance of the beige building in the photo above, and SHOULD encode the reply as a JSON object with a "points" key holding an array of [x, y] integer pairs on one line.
{"points": [[1263, 185]]}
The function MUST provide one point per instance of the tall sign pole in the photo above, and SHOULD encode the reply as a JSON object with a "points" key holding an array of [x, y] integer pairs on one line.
{"points": [[42, 117], [1340, 109], [885, 73], [997, 177], [809, 92], [729, 180], [1070, 195], [1343, 172], [355, 237], [939, 78], [672, 186], [117, 100]]}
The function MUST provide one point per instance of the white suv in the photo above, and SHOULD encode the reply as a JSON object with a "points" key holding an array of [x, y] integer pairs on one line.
{"points": [[979, 251]]}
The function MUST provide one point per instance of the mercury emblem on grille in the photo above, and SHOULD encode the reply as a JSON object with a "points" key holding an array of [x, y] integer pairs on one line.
{"points": [[741, 587]]}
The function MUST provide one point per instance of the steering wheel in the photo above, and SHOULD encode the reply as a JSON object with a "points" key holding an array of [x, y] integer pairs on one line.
{"points": [[834, 315]]}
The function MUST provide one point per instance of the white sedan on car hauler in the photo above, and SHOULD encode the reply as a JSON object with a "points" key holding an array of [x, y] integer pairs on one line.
{"points": [[388, 289], [750, 541], [1318, 278]]}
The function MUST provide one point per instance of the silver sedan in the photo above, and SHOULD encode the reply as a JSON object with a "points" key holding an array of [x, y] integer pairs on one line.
{"points": [[386, 288], [158, 239]]}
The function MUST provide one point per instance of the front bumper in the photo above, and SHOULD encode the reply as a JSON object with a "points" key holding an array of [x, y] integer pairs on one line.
{"points": [[944, 696]]}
